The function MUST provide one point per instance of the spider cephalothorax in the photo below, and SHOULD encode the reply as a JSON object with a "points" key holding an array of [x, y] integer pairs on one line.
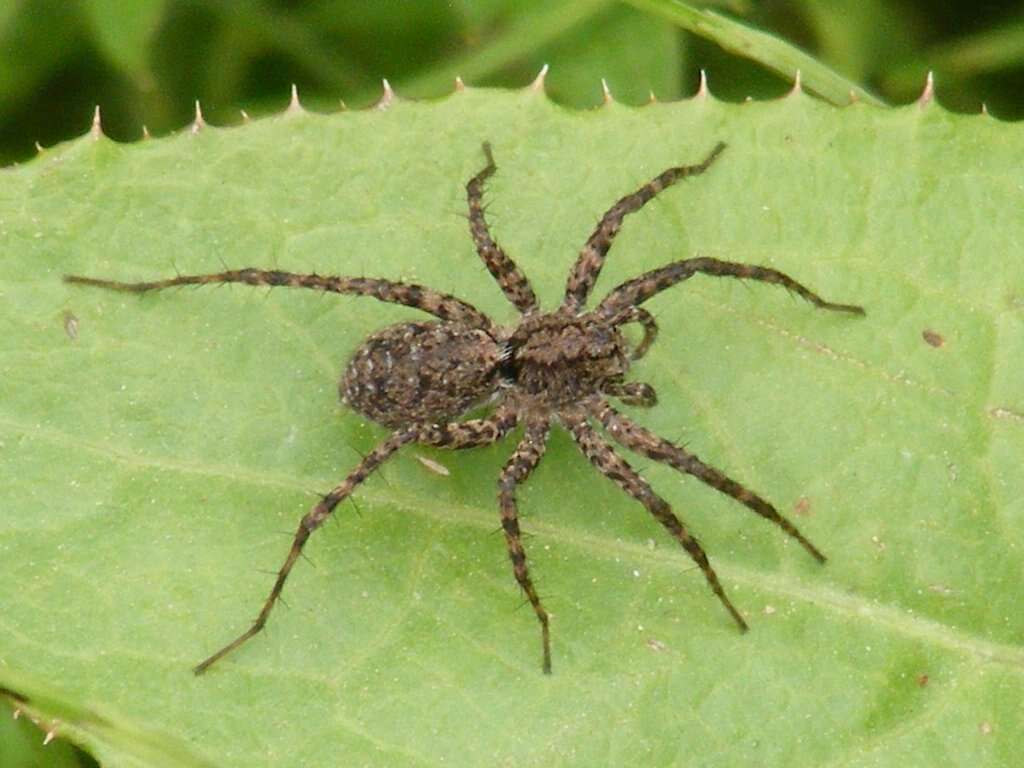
{"points": [[418, 378]]}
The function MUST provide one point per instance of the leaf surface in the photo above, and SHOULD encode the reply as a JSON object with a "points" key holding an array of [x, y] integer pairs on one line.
{"points": [[158, 451]]}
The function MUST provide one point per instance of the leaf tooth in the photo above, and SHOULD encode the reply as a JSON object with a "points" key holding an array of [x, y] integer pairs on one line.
{"points": [[245, 116], [538, 82], [294, 105], [702, 89], [145, 132], [459, 85], [928, 94], [797, 90], [387, 97], [651, 98], [198, 123], [96, 131], [40, 148], [606, 93]]}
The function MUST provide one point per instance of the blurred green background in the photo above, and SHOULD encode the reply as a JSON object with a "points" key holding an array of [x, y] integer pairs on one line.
{"points": [[146, 61]]}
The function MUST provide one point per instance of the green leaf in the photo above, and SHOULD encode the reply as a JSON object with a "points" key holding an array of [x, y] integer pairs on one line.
{"points": [[977, 52], [635, 53], [35, 40], [158, 451], [778, 55], [132, 745], [519, 38], [24, 745], [123, 31]]}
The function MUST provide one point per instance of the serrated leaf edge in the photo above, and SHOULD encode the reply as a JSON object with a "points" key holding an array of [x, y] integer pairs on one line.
{"points": [[389, 97]]}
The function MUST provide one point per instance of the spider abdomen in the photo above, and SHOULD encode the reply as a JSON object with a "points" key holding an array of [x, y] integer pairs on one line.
{"points": [[421, 373]]}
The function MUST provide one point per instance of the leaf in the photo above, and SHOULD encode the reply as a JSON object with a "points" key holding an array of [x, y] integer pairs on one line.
{"points": [[531, 28], [123, 33], [778, 55], [21, 745], [157, 459], [134, 746], [34, 41], [636, 54]]}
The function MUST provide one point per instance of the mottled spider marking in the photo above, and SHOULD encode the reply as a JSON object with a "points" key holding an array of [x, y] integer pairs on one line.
{"points": [[421, 372], [646, 319], [511, 279], [418, 378], [631, 435], [440, 305], [591, 259], [519, 466], [618, 470], [649, 284]]}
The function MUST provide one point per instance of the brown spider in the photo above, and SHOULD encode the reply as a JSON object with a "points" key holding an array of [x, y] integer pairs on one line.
{"points": [[417, 378]]}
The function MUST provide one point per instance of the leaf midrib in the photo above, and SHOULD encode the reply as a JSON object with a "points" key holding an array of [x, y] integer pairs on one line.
{"points": [[841, 603]]}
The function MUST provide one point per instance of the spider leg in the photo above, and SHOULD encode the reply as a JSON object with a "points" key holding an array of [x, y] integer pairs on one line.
{"points": [[458, 435], [631, 435], [603, 456], [469, 434], [640, 289], [640, 315], [511, 279], [439, 304], [519, 466], [632, 393], [591, 259], [310, 522]]}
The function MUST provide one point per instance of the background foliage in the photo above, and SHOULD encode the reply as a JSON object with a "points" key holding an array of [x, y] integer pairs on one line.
{"points": [[147, 63]]}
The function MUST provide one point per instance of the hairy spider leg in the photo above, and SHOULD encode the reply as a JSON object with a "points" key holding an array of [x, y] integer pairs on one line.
{"points": [[631, 435], [591, 259], [640, 289], [603, 456], [441, 305], [467, 434], [519, 466], [310, 522], [511, 279], [632, 393], [646, 319]]}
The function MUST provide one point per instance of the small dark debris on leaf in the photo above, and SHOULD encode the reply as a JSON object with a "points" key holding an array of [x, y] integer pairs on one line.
{"points": [[933, 338], [922, 680], [802, 507]]}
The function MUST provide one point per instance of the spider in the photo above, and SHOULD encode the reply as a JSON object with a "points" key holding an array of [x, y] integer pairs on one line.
{"points": [[559, 367]]}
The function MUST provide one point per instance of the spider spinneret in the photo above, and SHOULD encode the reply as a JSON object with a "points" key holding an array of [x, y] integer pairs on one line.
{"points": [[559, 367]]}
